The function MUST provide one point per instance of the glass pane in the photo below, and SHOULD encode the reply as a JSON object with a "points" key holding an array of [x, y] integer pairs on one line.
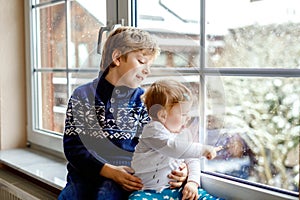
{"points": [[58, 47], [176, 26], [77, 79], [259, 130], [256, 34], [51, 37], [87, 16], [34, 2], [52, 101]]}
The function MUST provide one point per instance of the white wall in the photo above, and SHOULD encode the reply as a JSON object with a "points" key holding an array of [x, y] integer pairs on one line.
{"points": [[12, 75]]}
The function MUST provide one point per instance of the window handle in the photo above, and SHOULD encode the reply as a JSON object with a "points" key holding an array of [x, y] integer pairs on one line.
{"points": [[105, 30]]}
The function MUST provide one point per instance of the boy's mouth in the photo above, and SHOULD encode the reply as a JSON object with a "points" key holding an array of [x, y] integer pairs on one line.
{"points": [[141, 78]]}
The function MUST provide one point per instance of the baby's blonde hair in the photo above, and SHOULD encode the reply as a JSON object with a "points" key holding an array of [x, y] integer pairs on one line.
{"points": [[164, 94], [127, 39]]}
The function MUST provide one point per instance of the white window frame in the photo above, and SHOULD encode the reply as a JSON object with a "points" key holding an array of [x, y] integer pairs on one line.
{"points": [[47, 140], [226, 188]]}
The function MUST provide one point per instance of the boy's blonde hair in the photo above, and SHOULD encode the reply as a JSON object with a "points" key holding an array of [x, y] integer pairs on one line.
{"points": [[164, 94], [127, 39]]}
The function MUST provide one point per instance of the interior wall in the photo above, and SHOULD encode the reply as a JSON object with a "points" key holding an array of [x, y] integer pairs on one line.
{"points": [[12, 76]]}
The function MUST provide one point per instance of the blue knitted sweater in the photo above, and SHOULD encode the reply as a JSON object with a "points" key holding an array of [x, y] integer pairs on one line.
{"points": [[103, 124]]}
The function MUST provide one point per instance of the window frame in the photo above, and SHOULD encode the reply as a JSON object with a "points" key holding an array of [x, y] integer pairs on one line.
{"points": [[125, 15], [48, 140]]}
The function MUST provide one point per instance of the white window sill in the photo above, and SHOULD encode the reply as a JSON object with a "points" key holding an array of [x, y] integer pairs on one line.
{"points": [[52, 171], [46, 168]]}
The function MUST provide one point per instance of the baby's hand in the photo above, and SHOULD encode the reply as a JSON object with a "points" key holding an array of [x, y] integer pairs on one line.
{"points": [[190, 191], [212, 152]]}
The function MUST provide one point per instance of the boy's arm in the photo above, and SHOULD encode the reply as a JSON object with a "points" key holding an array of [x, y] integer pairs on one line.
{"points": [[75, 151]]}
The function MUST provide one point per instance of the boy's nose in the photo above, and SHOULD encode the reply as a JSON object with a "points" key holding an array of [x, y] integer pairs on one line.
{"points": [[146, 70]]}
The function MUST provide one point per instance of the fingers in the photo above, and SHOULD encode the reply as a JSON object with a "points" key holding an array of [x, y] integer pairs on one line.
{"points": [[189, 195], [182, 166], [174, 184], [219, 148], [212, 153], [128, 169], [123, 176], [177, 176], [132, 183]]}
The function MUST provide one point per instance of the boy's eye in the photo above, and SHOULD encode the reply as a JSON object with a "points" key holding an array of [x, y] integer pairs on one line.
{"points": [[141, 62]]}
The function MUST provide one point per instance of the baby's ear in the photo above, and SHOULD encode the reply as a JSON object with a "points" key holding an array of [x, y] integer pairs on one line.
{"points": [[116, 54], [156, 112], [162, 115]]}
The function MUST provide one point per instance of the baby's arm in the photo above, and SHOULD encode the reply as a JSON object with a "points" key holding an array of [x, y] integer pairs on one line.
{"points": [[181, 147], [190, 190]]}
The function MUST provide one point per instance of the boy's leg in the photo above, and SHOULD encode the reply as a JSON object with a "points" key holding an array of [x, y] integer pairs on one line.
{"points": [[77, 189], [110, 190]]}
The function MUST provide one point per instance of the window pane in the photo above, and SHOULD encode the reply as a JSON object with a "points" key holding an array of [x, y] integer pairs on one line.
{"points": [[66, 37], [258, 128], [177, 31], [87, 16], [77, 79], [52, 99], [34, 2], [51, 37], [253, 34]]}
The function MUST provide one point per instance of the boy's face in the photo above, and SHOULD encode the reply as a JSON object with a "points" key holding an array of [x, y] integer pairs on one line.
{"points": [[133, 70]]}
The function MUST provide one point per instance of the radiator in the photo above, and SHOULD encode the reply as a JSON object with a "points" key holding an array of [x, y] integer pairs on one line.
{"points": [[14, 187]]}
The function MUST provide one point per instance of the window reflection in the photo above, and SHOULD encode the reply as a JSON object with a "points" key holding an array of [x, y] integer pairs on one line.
{"points": [[259, 131], [253, 34]]}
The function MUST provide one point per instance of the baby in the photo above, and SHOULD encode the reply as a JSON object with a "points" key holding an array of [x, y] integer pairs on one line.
{"points": [[166, 141]]}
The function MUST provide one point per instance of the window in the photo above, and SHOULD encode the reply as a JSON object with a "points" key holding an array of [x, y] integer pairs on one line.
{"points": [[240, 58], [63, 55], [245, 55]]}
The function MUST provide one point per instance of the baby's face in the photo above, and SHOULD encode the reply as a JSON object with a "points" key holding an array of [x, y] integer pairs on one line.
{"points": [[178, 116]]}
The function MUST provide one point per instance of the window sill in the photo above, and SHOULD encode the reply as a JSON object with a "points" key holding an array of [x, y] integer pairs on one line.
{"points": [[51, 171], [43, 167]]}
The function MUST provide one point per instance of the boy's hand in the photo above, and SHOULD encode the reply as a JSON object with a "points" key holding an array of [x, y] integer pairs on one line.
{"points": [[123, 176], [178, 176], [190, 191]]}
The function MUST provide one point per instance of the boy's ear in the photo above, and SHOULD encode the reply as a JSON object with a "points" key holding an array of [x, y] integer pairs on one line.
{"points": [[162, 115], [116, 55]]}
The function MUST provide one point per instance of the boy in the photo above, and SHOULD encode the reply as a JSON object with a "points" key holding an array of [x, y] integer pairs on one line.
{"points": [[104, 119]]}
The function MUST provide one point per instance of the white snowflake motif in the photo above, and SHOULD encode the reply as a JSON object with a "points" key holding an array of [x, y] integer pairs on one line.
{"points": [[166, 197], [148, 194]]}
